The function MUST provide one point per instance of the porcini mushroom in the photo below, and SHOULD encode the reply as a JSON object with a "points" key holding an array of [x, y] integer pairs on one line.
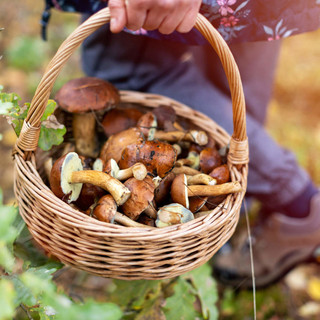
{"points": [[82, 97], [138, 170], [106, 210], [171, 214], [120, 119], [141, 199], [67, 176], [158, 157]]}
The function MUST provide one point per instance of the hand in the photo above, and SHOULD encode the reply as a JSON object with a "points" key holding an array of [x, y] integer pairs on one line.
{"points": [[165, 15]]}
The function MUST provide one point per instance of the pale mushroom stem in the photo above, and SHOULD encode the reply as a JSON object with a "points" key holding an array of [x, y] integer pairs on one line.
{"points": [[83, 127], [199, 137], [215, 190], [138, 170], [201, 179], [186, 170], [125, 221], [119, 192]]}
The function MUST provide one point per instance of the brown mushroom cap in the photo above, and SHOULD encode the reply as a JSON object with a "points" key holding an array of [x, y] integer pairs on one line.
{"points": [[59, 175], [113, 147], [105, 209], [162, 192], [209, 159], [179, 190], [87, 94], [142, 194], [148, 125], [221, 174], [158, 157], [116, 120], [166, 116]]}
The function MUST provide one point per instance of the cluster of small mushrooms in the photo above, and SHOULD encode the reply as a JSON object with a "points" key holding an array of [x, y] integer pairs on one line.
{"points": [[148, 172]]}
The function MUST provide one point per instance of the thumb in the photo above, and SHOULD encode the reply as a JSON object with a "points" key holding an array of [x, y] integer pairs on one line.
{"points": [[118, 15]]}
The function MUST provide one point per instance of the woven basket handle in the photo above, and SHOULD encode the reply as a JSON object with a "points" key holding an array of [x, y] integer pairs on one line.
{"points": [[29, 135]]}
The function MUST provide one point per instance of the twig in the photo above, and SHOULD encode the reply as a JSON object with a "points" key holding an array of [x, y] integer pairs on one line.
{"points": [[26, 310], [251, 260]]}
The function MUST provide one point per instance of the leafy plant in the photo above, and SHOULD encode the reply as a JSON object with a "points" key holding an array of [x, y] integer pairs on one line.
{"points": [[51, 132], [30, 287], [27, 286]]}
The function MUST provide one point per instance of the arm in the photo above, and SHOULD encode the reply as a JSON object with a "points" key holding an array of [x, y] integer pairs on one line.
{"points": [[165, 15]]}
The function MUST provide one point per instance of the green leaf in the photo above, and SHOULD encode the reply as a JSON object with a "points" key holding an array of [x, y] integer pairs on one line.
{"points": [[180, 306], [61, 307], [206, 288], [49, 110], [50, 137], [7, 259], [7, 216], [7, 296], [23, 293], [133, 294]]}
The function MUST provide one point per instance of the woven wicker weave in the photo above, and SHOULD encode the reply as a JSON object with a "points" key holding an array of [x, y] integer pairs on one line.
{"points": [[112, 250]]}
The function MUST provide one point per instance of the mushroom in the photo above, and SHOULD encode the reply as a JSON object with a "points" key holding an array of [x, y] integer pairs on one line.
{"points": [[141, 199], [186, 170], [67, 177], [120, 119], [192, 160], [113, 147], [82, 97], [221, 174], [171, 214], [106, 210], [199, 137], [197, 203], [209, 159], [148, 125], [144, 219], [158, 157], [138, 170], [162, 191], [166, 117], [201, 178], [181, 191]]}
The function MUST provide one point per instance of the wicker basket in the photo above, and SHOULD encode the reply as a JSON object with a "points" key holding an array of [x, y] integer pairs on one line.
{"points": [[116, 251]]}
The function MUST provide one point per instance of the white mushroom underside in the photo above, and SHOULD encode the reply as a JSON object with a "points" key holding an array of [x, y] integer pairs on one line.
{"points": [[71, 163]]}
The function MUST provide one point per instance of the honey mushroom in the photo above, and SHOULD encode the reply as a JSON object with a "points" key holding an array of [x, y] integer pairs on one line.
{"points": [[138, 170], [67, 177], [83, 97], [106, 210]]}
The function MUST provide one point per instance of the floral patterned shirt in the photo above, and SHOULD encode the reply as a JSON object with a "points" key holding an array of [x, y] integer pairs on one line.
{"points": [[236, 20]]}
